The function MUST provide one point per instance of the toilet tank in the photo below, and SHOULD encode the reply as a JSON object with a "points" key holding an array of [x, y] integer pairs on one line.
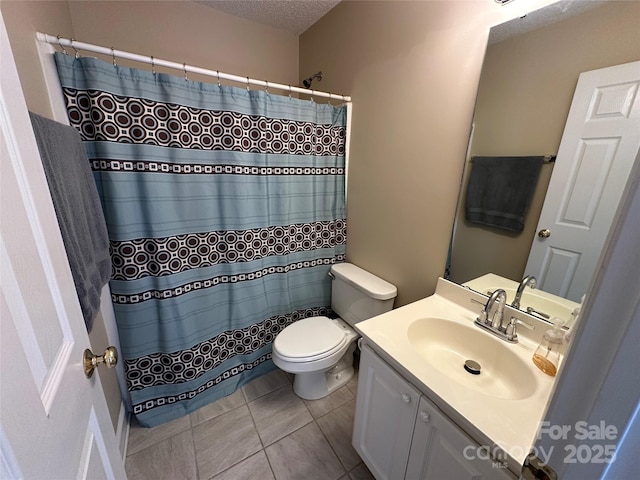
{"points": [[357, 295]]}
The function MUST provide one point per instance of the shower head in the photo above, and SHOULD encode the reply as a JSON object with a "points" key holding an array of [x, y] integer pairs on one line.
{"points": [[307, 81]]}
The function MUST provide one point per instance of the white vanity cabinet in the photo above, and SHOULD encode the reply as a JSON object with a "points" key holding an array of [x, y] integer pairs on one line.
{"points": [[400, 434], [386, 409], [440, 449]]}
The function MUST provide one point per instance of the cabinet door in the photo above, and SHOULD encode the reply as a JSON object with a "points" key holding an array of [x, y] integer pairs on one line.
{"points": [[440, 449], [385, 415]]}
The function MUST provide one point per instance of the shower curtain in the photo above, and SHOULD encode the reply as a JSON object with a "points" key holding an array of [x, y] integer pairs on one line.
{"points": [[225, 210]]}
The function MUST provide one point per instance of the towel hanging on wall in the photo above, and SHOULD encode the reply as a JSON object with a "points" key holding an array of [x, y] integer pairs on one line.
{"points": [[77, 206], [500, 190]]}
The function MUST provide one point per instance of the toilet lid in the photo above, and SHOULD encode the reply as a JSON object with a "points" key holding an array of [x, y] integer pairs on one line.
{"points": [[309, 337]]}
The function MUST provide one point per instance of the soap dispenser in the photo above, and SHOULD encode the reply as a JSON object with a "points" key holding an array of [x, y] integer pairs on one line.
{"points": [[547, 355]]}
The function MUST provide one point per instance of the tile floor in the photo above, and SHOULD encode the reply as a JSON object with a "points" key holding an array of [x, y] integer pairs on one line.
{"points": [[261, 432]]}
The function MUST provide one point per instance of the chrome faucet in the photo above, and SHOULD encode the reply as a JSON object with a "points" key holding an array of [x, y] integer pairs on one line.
{"points": [[491, 318], [528, 280], [495, 319]]}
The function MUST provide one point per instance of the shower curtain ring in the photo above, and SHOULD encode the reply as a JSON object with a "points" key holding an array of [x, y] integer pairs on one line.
{"points": [[218, 75], [75, 49], [62, 46], [113, 54], [153, 65], [184, 66], [266, 87], [247, 84], [311, 99], [289, 92]]}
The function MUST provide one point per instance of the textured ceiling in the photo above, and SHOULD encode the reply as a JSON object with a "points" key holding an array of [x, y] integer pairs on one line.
{"points": [[295, 16], [539, 18]]}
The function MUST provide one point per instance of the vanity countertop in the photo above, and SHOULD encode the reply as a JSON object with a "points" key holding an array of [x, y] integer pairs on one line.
{"points": [[511, 424]]}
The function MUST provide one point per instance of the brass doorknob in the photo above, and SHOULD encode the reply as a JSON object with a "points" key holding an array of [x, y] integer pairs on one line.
{"points": [[544, 233], [91, 361]]}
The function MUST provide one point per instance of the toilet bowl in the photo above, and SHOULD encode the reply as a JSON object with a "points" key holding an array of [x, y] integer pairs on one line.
{"points": [[319, 350]]}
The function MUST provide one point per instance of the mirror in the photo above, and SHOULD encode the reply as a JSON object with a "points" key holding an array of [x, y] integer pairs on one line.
{"points": [[527, 83]]}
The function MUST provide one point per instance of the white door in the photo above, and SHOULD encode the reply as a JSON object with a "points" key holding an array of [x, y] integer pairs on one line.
{"points": [[597, 151], [54, 421]]}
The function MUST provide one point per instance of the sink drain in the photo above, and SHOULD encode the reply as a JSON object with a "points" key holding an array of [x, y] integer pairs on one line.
{"points": [[472, 367]]}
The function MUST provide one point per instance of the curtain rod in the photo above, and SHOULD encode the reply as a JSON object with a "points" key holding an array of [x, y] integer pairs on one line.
{"points": [[62, 42]]}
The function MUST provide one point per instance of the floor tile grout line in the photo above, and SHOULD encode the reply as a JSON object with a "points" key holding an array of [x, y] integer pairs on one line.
{"points": [[264, 447], [235, 465], [216, 416], [333, 409], [195, 453], [290, 383], [263, 450], [246, 403], [281, 438], [156, 442], [241, 460], [244, 395], [332, 447], [255, 426], [273, 472], [195, 450], [298, 429]]}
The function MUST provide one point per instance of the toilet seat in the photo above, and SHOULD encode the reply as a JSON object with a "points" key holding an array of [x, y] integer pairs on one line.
{"points": [[310, 339]]}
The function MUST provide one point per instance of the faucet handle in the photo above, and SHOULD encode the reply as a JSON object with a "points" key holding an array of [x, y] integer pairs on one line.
{"points": [[482, 316], [512, 328], [526, 325]]}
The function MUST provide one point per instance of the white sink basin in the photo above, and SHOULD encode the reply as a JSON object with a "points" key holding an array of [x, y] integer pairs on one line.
{"points": [[446, 345]]}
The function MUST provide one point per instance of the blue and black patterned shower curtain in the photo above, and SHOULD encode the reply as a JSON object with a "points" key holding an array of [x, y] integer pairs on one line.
{"points": [[225, 209]]}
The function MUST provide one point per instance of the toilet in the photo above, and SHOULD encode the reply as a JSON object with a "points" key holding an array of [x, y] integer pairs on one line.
{"points": [[319, 350]]}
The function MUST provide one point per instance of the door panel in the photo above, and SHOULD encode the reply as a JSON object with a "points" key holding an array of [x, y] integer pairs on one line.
{"points": [[54, 421], [597, 152]]}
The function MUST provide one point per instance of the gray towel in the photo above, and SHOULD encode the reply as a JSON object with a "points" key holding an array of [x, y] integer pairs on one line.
{"points": [[78, 208], [500, 190]]}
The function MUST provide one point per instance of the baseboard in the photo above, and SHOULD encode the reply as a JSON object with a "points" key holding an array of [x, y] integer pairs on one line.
{"points": [[122, 432]]}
